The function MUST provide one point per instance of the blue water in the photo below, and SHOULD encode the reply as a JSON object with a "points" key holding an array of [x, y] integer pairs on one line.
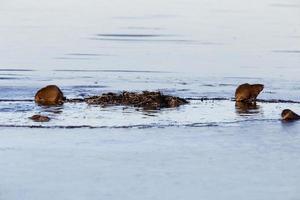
{"points": [[200, 50]]}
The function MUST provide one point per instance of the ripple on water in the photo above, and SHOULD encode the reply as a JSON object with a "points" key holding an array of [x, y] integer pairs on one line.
{"points": [[110, 71], [9, 78], [133, 35], [197, 113], [172, 38], [286, 51], [16, 70], [283, 5]]}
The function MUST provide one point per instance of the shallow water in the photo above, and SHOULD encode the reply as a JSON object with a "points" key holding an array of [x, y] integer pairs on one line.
{"points": [[208, 97], [199, 50]]}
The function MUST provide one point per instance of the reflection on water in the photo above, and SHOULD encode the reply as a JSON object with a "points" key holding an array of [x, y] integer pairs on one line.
{"points": [[247, 108], [50, 109]]}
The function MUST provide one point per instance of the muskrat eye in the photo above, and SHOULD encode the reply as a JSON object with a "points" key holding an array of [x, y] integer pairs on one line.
{"points": [[284, 112]]}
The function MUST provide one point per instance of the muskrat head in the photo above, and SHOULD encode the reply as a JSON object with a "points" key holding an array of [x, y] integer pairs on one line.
{"points": [[49, 95], [256, 89], [287, 114]]}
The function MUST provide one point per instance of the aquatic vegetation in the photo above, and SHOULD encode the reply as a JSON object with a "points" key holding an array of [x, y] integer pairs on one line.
{"points": [[146, 99]]}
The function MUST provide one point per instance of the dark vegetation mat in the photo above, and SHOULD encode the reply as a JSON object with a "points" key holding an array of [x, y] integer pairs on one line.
{"points": [[146, 100]]}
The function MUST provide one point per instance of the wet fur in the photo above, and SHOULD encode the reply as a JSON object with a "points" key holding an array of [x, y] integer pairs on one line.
{"points": [[49, 95], [247, 92], [289, 115]]}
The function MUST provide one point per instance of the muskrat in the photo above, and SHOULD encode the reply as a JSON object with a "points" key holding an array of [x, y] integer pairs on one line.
{"points": [[49, 95], [247, 92], [289, 115], [40, 118]]}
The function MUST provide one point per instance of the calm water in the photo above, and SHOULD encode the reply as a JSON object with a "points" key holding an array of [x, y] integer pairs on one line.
{"points": [[189, 48], [207, 37]]}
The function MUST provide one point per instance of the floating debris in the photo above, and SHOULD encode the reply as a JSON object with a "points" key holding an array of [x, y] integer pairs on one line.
{"points": [[146, 100]]}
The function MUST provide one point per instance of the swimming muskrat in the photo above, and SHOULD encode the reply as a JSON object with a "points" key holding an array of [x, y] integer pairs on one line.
{"points": [[40, 118], [289, 115], [49, 95], [247, 92]]}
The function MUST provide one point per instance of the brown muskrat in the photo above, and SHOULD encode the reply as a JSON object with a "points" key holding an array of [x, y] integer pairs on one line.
{"points": [[49, 95], [247, 92], [289, 115]]}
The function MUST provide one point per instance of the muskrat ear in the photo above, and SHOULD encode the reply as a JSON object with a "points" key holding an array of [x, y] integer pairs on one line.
{"points": [[261, 87], [258, 86]]}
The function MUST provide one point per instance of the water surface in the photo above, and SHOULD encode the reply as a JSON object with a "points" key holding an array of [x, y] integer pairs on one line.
{"points": [[211, 148]]}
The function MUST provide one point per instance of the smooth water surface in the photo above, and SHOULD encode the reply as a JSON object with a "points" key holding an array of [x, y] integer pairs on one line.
{"points": [[253, 161], [207, 37]]}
